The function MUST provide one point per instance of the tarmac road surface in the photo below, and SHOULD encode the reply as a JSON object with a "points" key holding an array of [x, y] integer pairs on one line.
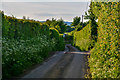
{"points": [[64, 64]]}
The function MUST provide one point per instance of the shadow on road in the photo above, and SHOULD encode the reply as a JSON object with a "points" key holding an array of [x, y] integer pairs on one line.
{"points": [[70, 63]]}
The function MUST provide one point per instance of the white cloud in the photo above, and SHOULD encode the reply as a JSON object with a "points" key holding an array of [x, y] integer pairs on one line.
{"points": [[45, 0], [45, 10]]}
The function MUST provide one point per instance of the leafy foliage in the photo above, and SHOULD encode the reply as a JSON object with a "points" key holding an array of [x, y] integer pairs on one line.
{"points": [[22, 28], [59, 39], [26, 42], [92, 19], [78, 27], [62, 25], [104, 59], [76, 21], [69, 29], [19, 55], [57, 24], [83, 38]]}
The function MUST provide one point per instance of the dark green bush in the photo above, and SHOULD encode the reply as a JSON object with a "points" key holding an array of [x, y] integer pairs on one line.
{"points": [[54, 33], [26, 42], [60, 45], [22, 28], [68, 37], [19, 55]]}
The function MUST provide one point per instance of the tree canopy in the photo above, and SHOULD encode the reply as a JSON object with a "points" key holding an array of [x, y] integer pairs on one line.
{"points": [[76, 21], [57, 24]]}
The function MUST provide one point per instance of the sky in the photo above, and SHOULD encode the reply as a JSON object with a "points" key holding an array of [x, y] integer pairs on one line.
{"points": [[42, 9], [45, 0]]}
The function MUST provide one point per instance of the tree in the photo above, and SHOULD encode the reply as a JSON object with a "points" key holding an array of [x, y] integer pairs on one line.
{"points": [[78, 27], [24, 17], [53, 22], [57, 24], [92, 20], [62, 25], [48, 22], [90, 14], [76, 21], [58, 28]]}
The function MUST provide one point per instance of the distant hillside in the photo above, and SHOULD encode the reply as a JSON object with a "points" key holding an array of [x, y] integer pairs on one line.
{"points": [[42, 21], [68, 23]]}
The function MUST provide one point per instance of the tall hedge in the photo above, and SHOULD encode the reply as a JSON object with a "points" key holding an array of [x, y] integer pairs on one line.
{"points": [[22, 28], [104, 60], [60, 44], [19, 55], [83, 38], [26, 43]]}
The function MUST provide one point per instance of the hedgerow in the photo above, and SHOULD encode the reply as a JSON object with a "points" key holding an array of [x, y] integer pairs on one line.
{"points": [[104, 59], [83, 38], [25, 43], [54, 33], [86, 38], [19, 55], [22, 28]]}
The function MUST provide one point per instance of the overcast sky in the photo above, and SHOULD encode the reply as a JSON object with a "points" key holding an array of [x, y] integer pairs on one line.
{"points": [[45, 0], [45, 10]]}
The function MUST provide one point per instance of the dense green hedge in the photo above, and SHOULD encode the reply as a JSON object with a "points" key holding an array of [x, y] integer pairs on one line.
{"points": [[68, 36], [83, 38], [25, 43], [54, 33], [104, 60], [19, 55], [22, 28]]}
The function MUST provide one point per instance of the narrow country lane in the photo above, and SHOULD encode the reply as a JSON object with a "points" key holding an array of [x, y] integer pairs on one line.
{"points": [[64, 64]]}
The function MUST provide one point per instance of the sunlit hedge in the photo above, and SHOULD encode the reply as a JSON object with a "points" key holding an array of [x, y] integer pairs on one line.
{"points": [[104, 60], [83, 38]]}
